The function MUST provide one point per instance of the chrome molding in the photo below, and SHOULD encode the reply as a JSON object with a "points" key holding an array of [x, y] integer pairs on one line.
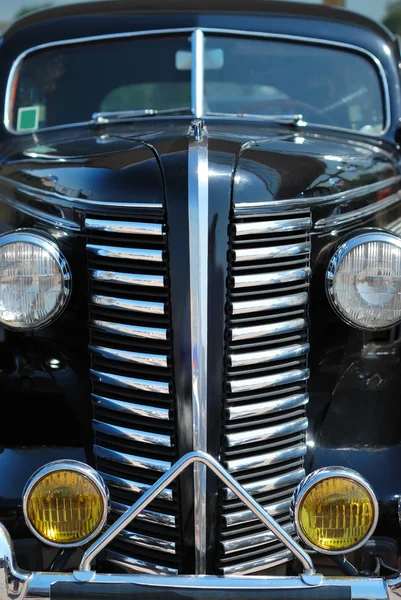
{"points": [[197, 73], [129, 278], [271, 483], [149, 516], [146, 437], [255, 383], [153, 333], [266, 434], [244, 516], [198, 213], [265, 460], [318, 476], [336, 198], [125, 227], [262, 356], [250, 541], [131, 460], [133, 486], [125, 253], [138, 566], [248, 411], [275, 303], [274, 226], [154, 387], [78, 467], [150, 360], [271, 252], [273, 278], [260, 331], [254, 566], [130, 537], [247, 34], [141, 410], [155, 308]]}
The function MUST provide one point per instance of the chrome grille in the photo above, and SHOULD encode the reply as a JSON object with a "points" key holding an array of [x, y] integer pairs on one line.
{"points": [[266, 374], [132, 384]]}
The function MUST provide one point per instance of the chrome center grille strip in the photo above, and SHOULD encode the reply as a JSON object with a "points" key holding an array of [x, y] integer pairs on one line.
{"points": [[132, 385], [266, 374]]}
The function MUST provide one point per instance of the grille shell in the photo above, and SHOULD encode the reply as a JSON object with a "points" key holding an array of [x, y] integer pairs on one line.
{"points": [[132, 385], [265, 393]]}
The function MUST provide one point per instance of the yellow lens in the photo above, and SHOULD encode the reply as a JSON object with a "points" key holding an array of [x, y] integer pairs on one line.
{"points": [[336, 514], [65, 507]]}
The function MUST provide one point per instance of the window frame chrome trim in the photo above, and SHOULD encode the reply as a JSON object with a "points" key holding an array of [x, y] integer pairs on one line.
{"points": [[385, 88]]}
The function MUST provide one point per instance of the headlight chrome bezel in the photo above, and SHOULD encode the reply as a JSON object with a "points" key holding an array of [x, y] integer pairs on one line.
{"points": [[67, 465], [357, 239], [46, 243], [317, 477]]}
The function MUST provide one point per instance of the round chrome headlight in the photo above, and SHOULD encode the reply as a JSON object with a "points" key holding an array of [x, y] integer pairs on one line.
{"points": [[363, 280], [35, 280]]}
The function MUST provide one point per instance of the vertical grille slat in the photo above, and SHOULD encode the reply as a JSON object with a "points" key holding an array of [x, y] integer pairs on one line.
{"points": [[265, 381], [132, 385]]}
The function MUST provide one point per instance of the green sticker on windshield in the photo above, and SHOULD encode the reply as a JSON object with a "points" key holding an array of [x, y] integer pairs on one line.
{"points": [[28, 118]]}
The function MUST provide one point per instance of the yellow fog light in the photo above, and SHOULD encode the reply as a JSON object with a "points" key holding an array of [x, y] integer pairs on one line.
{"points": [[65, 503], [334, 510]]}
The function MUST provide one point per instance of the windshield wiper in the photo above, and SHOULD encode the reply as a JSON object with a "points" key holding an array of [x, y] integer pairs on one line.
{"points": [[296, 119], [122, 115]]}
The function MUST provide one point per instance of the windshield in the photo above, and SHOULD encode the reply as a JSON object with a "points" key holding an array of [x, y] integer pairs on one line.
{"points": [[262, 78]]}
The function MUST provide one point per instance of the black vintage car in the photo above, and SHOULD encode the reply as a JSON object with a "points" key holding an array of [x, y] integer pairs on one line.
{"points": [[200, 303]]}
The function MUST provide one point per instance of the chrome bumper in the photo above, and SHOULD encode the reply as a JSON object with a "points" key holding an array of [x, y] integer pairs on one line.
{"points": [[16, 584]]}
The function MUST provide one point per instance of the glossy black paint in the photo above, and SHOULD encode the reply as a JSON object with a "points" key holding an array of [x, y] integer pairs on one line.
{"points": [[354, 408]]}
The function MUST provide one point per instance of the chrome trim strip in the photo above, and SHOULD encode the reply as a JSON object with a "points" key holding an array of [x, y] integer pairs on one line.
{"points": [[259, 564], [265, 460], [315, 41], [130, 460], [259, 409], [263, 356], [144, 437], [257, 539], [262, 304], [127, 278], [271, 252], [138, 566], [198, 212], [266, 227], [336, 198], [150, 360], [148, 412], [145, 385], [147, 541], [197, 73], [149, 516], [151, 333], [269, 484], [272, 278], [125, 253], [153, 308], [261, 331], [136, 487], [265, 434], [129, 227], [41, 215], [354, 215], [244, 516]]}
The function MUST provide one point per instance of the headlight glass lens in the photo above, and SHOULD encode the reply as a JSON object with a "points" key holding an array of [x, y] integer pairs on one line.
{"points": [[34, 281], [336, 514], [364, 281], [65, 507]]}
